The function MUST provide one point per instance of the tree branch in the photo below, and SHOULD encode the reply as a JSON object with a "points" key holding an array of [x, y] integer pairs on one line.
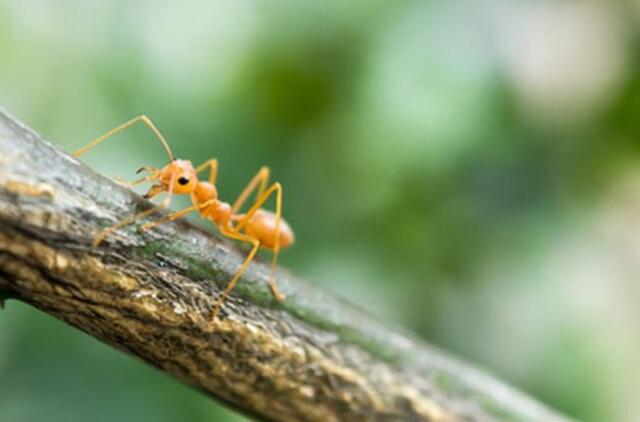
{"points": [[312, 358]]}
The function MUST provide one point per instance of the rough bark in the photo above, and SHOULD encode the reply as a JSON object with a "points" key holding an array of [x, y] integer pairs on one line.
{"points": [[312, 358]]}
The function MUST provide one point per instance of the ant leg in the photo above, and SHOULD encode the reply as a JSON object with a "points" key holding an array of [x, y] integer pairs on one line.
{"points": [[213, 172], [260, 180], [151, 176], [106, 232], [170, 217], [277, 188], [132, 183], [175, 215], [144, 119], [245, 238]]}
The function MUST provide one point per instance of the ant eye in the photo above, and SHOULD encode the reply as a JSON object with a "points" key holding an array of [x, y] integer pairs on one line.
{"points": [[183, 180]]}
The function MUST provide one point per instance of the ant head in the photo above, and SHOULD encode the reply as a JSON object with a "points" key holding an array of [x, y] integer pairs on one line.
{"points": [[179, 172], [183, 175]]}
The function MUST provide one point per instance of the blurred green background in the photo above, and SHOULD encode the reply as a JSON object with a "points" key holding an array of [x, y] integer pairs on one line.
{"points": [[468, 169]]}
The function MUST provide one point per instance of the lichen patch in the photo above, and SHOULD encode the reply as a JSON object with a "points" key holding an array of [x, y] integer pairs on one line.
{"points": [[18, 187]]}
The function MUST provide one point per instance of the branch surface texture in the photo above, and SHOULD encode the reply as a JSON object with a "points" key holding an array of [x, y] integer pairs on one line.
{"points": [[312, 358]]}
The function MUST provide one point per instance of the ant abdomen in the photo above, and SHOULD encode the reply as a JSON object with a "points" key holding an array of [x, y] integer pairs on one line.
{"points": [[263, 225]]}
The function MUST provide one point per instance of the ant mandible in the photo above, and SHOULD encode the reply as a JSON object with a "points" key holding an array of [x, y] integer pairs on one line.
{"points": [[259, 227]]}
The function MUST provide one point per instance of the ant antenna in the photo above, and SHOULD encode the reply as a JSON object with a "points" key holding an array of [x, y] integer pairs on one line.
{"points": [[144, 119]]}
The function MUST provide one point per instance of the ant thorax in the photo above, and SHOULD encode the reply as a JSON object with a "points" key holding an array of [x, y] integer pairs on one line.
{"points": [[204, 192], [218, 211]]}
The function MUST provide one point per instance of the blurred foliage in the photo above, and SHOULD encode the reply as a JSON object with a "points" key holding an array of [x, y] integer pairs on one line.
{"points": [[467, 169]]}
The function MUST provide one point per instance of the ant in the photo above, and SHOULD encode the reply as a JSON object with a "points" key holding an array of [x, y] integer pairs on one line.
{"points": [[259, 227]]}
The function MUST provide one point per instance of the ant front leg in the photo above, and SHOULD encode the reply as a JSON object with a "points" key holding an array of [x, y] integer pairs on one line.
{"points": [[213, 170], [153, 171], [175, 215], [106, 232], [135, 182]]}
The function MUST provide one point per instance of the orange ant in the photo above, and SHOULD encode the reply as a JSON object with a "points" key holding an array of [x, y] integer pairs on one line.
{"points": [[259, 227]]}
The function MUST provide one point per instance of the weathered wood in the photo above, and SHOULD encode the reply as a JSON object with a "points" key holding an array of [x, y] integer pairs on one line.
{"points": [[312, 358]]}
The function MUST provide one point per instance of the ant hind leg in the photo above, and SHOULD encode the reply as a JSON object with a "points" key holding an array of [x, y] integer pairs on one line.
{"points": [[230, 233], [277, 189]]}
